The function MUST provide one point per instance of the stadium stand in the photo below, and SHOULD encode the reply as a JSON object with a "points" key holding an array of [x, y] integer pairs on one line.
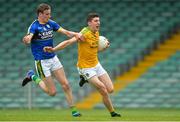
{"points": [[158, 87], [134, 27]]}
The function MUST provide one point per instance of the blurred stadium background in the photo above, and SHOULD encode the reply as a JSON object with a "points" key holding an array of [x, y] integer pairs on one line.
{"points": [[143, 59]]}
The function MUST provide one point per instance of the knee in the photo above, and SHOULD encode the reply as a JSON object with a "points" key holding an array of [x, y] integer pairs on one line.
{"points": [[52, 93], [104, 91], [110, 90]]}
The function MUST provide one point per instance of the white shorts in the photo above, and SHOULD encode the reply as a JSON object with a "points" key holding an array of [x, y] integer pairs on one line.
{"points": [[88, 73], [45, 67]]}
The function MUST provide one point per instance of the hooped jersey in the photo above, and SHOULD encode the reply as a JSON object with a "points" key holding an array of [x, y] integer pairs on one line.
{"points": [[88, 49], [42, 36]]}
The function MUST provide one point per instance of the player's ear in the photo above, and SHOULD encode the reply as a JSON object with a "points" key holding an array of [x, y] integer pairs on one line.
{"points": [[40, 14], [89, 23]]}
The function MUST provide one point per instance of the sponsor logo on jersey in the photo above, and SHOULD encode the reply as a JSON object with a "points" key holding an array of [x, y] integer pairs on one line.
{"points": [[46, 34]]}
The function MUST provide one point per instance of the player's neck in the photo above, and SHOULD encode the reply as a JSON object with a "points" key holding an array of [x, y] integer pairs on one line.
{"points": [[41, 21], [92, 30]]}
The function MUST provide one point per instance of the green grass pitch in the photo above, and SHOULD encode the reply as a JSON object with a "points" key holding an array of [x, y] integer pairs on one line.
{"points": [[89, 115]]}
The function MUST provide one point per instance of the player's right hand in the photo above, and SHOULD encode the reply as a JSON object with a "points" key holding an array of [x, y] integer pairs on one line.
{"points": [[48, 49], [27, 39]]}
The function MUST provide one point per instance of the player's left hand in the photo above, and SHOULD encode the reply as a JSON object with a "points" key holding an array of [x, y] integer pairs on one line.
{"points": [[48, 49], [108, 44]]}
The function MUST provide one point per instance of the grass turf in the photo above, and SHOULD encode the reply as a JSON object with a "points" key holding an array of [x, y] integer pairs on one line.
{"points": [[89, 115]]}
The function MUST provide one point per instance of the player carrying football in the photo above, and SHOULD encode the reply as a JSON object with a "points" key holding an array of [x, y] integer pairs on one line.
{"points": [[88, 64]]}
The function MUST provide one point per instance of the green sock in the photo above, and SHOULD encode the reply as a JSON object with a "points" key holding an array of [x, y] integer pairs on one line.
{"points": [[74, 110], [36, 79]]}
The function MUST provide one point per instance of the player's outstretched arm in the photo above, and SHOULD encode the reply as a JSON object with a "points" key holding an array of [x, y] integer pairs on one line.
{"points": [[61, 45], [70, 33]]}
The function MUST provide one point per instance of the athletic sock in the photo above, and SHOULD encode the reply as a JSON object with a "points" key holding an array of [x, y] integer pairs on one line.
{"points": [[75, 113], [36, 79], [74, 110]]}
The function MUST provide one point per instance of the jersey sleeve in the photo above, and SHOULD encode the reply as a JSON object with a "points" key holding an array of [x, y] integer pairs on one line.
{"points": [[55, 26], [84, 31], [32, 29]]}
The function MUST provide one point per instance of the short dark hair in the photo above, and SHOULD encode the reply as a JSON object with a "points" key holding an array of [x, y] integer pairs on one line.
{"points": [[91, 16], [42, 7]]}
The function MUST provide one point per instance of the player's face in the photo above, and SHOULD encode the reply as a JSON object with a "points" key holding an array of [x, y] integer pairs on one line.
{"points": [[45, 16], [94, 24]]}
